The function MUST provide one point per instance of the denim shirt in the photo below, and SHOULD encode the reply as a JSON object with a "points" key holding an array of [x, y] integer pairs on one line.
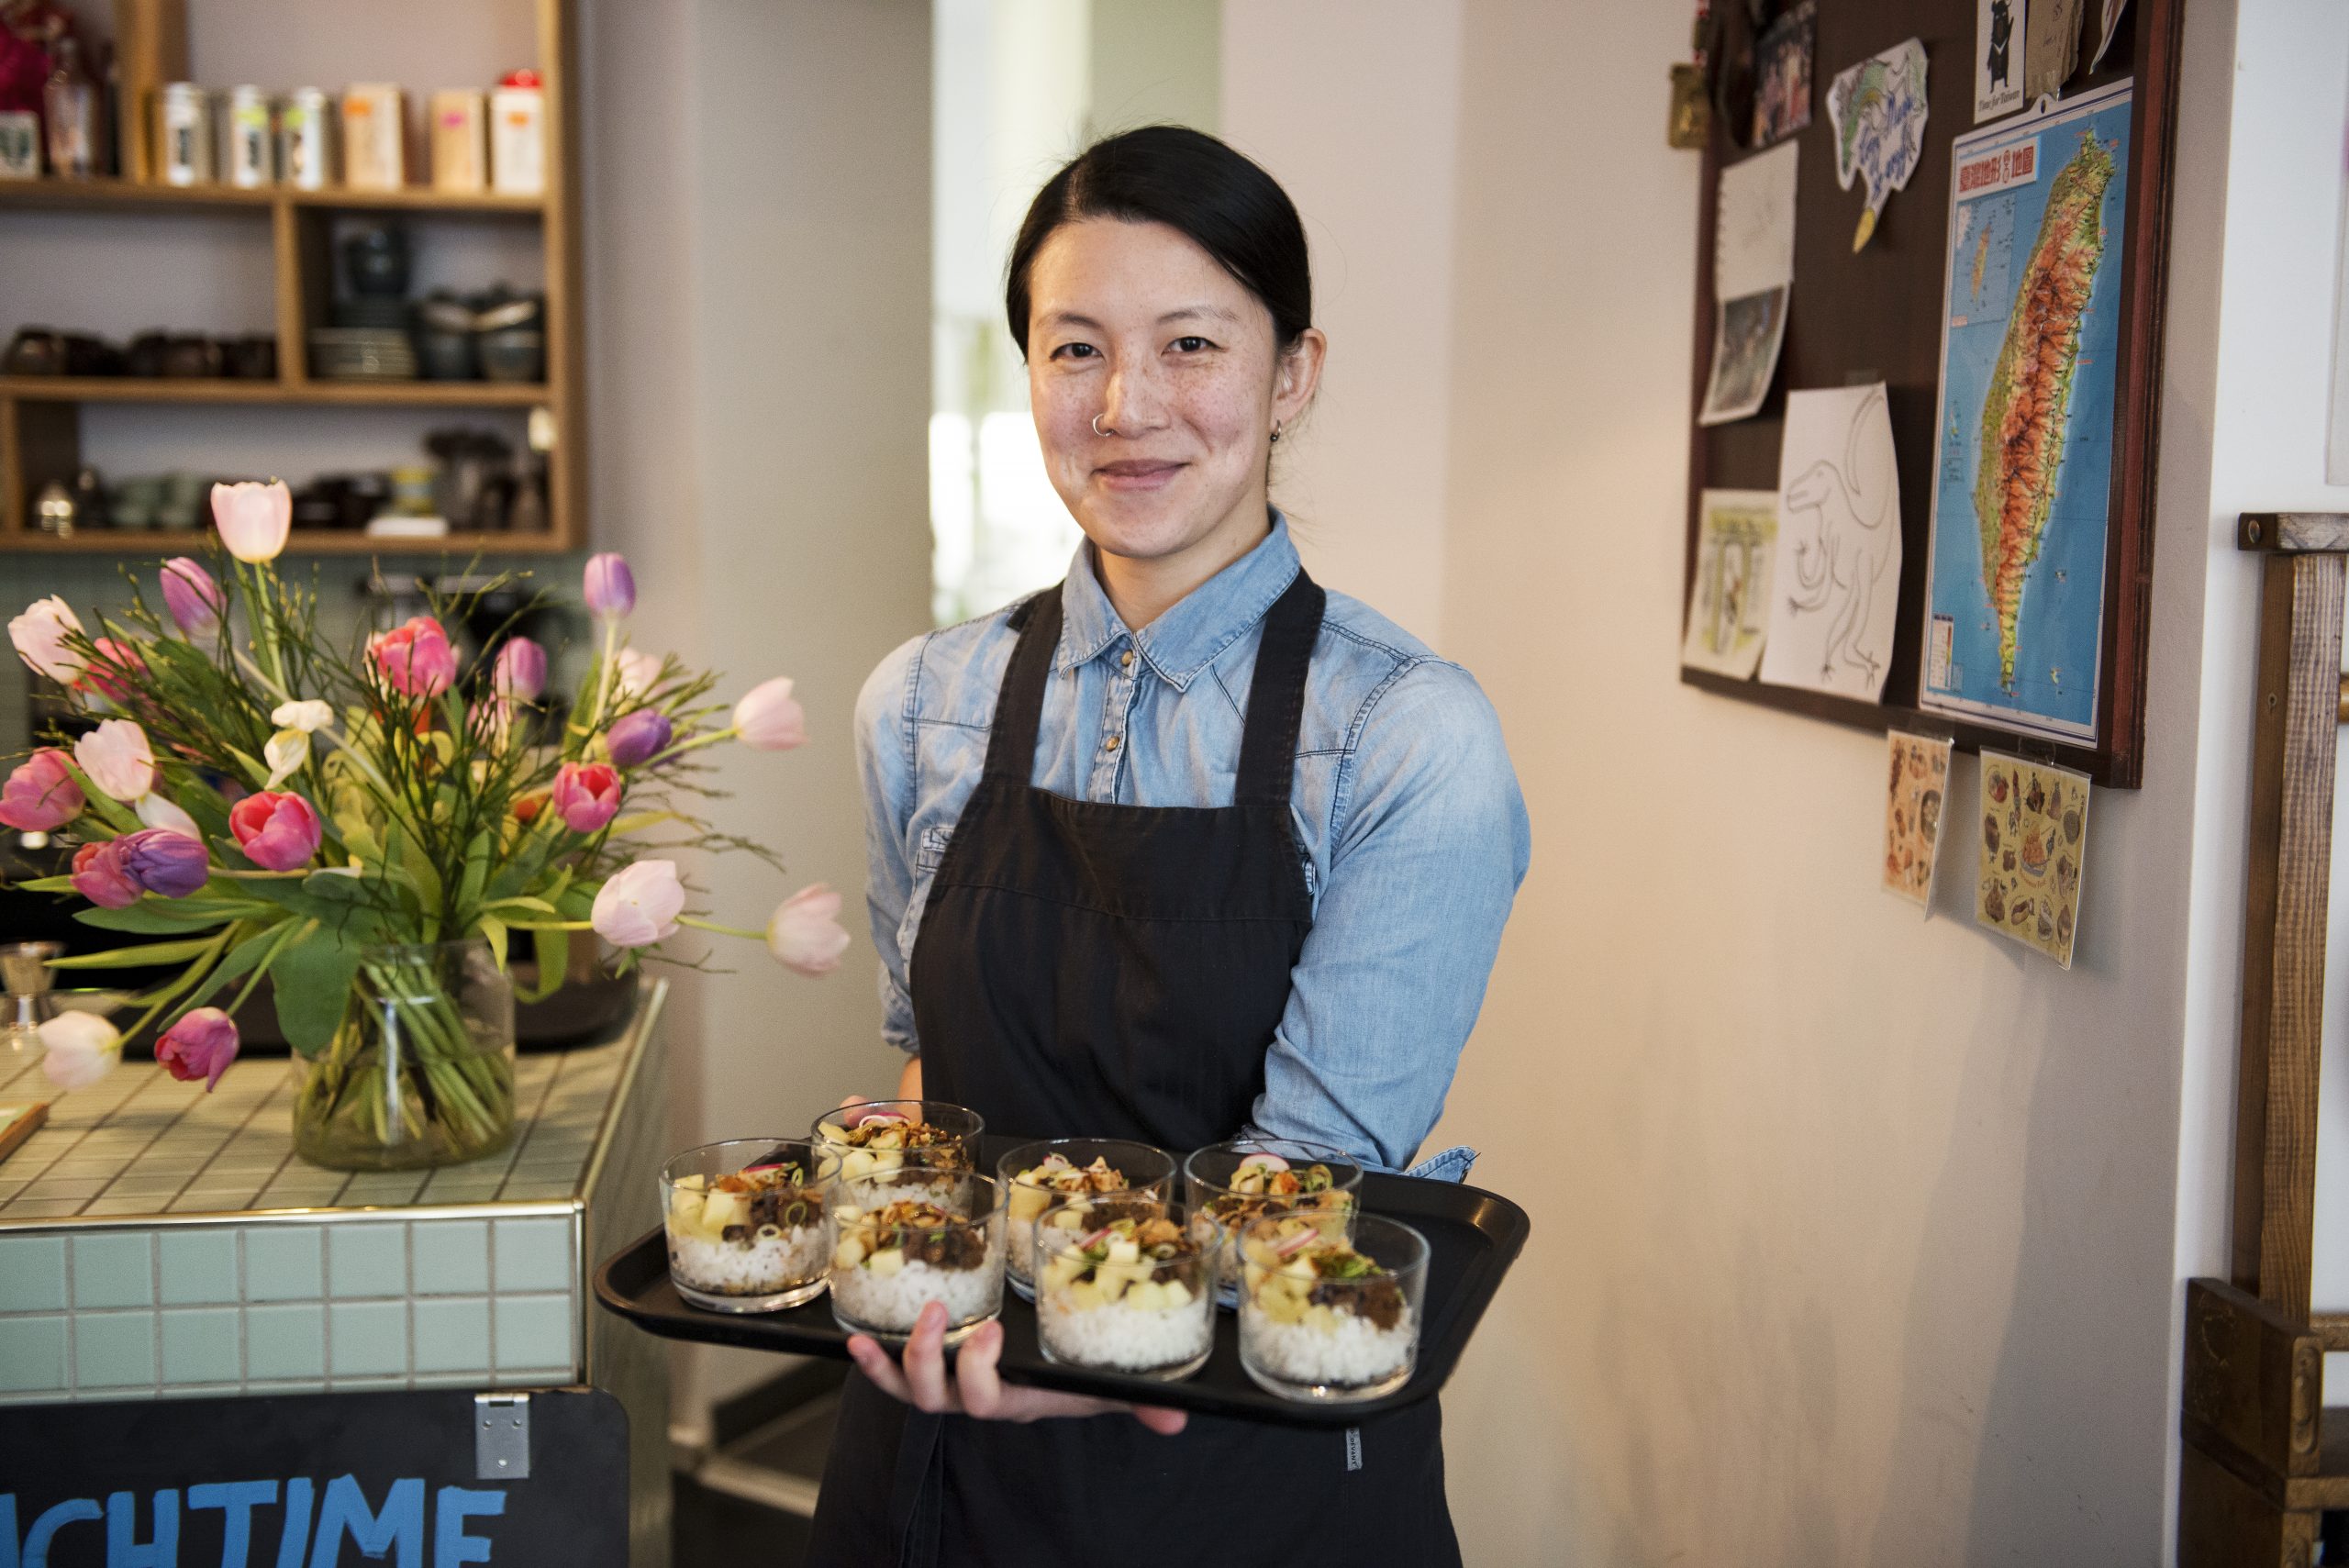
{"points": [[1407, 814]]}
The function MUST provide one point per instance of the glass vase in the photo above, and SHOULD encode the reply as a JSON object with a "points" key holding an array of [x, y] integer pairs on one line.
{"points": [[421, 1070]]}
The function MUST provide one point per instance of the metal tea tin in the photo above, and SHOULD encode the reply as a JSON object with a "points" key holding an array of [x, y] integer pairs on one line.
{"points": [[187, 124], [305, 145], [252, 138]]}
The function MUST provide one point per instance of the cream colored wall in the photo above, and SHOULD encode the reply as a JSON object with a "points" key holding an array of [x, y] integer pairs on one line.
{"points": [[1857, 1236]]}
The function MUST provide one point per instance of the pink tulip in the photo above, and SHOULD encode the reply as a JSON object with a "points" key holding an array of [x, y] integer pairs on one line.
{"points": [[521, 670], [40, 794], [100, 875], [806, 933], [642, 734], [253, 518], [163, 861], [415, 658], [161, 811], [201, 1045], [276, 829], [586, 795], [40, 638], [78, 1049], [637, 673], [610, 587], [768, 719], [115, 660], [639, 905], [118, 758], [193, 597]]}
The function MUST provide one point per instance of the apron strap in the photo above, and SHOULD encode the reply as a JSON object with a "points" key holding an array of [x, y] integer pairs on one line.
{"points": [[1276, 694], [1019, 702]]}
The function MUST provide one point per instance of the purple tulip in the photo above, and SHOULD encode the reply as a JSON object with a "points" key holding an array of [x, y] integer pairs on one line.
{"points": [[521, 670], [610, 587], [100, 876], [200, 1045], [193, 597], [40, 794], [641, 735], [165, 861]]}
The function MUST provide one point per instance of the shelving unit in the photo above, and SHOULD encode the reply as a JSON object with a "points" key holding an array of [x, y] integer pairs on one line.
{"points": [[41, 416]]}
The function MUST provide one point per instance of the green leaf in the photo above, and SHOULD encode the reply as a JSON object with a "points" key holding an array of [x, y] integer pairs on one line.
{"points": [[116, 815], [313, 978], [476, 872], [552, 950], [493, 930], [140, 957], [47, 885], [148, 916]]}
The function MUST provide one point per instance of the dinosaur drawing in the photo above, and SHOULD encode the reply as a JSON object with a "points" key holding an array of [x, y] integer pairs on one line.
{"points": [[1837, 573]]}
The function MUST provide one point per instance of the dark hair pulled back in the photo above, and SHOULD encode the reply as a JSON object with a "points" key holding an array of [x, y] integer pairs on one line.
{"points": [[1194, 184]]}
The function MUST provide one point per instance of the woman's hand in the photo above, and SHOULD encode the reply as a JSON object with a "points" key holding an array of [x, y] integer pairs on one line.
{"points": [[973, 1388]]}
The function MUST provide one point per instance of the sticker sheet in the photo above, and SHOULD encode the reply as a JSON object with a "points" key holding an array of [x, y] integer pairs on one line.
{"points": [[2033, 848], [1836, 593], [1912, 814], [1729, 604]]}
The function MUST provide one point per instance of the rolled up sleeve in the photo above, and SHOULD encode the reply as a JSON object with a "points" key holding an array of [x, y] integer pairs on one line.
{"points": [[885, 768]]}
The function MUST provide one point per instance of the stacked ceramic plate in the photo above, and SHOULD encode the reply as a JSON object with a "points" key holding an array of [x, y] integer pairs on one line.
{"points": [[362, 353]]}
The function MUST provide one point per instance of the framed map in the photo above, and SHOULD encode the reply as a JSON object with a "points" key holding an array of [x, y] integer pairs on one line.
{"points": [[2023, 474]]}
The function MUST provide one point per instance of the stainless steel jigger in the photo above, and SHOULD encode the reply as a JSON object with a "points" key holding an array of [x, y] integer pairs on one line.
{"points": [[24, 969]]}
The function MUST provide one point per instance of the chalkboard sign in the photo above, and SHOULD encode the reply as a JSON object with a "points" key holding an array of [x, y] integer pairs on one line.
{"points": [[413, 1480], [1877, 315]]}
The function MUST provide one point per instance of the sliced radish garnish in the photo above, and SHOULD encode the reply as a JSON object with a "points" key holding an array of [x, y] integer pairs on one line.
{"points": [[1096, 1239], [1263, 1163], [1296, 1244], [870, 1117]]}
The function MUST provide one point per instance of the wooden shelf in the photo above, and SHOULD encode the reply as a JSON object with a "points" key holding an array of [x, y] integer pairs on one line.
{"points": [[221, 389], [103, 195], [162, 542]]}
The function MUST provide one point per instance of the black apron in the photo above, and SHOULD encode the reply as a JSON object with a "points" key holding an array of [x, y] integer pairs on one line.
{"points": [[1087, 968]]}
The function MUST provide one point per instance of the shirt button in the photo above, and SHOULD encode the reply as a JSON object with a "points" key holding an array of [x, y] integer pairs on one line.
{"points": [[1110, 744], [1126, 659]]}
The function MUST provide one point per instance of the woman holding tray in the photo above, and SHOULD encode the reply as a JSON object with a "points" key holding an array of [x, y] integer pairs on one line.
{"points": [[1182, 848]]}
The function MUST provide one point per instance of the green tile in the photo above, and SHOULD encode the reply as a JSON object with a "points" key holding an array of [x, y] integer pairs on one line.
{"points": [[366, 1259], [199, 1264], [452, 1257], [32, 1355], [533, 1333], [202, 1345], [367, 1338], [286, 1341], [114, 1350], [32, 1274], [114, 1269], [533, 1254], [453, 1335], [282, 1263]]}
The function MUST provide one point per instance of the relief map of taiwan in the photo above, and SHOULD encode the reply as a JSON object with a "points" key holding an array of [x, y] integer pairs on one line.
{"points": [[2023, 471]]}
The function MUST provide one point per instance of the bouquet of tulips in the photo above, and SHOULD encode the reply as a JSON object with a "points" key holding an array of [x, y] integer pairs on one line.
{"points": [[265, 805]]}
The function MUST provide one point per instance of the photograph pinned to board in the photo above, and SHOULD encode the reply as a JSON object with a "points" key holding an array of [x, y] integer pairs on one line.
{"points": [[1878, 110], [1782, 72], [1754, 272], [2051, 47], [2109, 25], [2033, 851], [2021, 520], [1729, 604], [1912, 814], [1999, 39], [1835, 590]]}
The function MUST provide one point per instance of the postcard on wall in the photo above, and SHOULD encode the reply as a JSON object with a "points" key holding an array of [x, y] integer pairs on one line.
{"points": [[2033, 851], [1878, 108], [2023, 477], [1753, 267], [1912, 814], [2109, 24], [1729, 604], [1835, 588], [1999, 39], [2051, 47], [1782, 57]]}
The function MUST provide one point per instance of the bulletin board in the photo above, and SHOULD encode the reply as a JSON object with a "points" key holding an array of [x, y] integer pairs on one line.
{"points": [[1877, 315]]}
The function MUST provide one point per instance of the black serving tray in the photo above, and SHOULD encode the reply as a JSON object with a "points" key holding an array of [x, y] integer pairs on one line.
{"points": [[1473, 1238]]}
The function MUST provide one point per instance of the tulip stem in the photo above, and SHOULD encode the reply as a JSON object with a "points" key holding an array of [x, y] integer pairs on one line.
{"points": [[603, 673], [721, 931], [682, 747]]}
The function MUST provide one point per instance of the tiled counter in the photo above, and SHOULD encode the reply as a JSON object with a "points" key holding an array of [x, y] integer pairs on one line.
{"points": [[156, 1241]]}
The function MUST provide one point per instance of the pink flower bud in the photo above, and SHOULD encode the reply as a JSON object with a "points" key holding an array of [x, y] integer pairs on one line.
{"points": [[115, 660], [610, 587], [193, 597], [253, 520], [642, 734], [276, 829], [639, 905], [586, 795], [769, 718], [201, 1045], [521, 670], [40, 638], [40, 794], [118, 758], [78, 1049], [806, 933], [414, 658], [100, 875]]}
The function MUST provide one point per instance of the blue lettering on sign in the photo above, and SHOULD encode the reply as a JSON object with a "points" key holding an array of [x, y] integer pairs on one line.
{"points": [[398, 1527]]}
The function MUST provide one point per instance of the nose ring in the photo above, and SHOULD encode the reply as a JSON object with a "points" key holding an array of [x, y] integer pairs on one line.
{"points": [[1098, 431]]}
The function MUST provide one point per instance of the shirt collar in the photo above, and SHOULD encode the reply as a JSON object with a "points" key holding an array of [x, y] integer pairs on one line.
{"points": [[1189, 636]]}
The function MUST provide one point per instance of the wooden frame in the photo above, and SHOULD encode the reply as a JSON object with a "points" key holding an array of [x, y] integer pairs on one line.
{"points": [[1875, 315], [41, 416]]}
